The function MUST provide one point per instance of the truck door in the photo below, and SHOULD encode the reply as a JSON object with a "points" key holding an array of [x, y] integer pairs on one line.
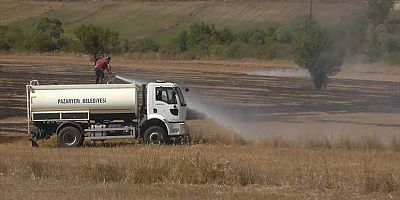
{"points": [[166, 103]]}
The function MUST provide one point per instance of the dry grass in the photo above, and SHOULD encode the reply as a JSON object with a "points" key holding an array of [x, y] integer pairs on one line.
{"points": [[223, 166], [204, 132]]}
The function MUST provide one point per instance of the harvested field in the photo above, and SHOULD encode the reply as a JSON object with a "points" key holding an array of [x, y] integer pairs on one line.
{"points": [[163, 20], [256, 137], [251, 171]]}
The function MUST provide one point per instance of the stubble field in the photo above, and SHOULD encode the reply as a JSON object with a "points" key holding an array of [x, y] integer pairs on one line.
{"points": [[164, 20], [255, 137]]}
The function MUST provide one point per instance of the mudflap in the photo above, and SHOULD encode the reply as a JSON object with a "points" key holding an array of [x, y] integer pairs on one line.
{"points": [[34, 143], [186, 139], [33, 139], [37, 134]]}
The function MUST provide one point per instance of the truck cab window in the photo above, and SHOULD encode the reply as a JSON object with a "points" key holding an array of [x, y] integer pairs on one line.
{"points": [[165, 94], [181, 98]]}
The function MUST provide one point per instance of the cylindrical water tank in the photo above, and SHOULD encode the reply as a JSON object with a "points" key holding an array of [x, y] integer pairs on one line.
{"points": [[99, 98]]}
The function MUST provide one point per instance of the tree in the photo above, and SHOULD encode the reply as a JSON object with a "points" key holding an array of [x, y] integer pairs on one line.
{"points": [[182, 41], [47, 33], [199, 39], [225, 36], [255, 38], [6, 42], [315, 51], [271, 36], [379, 29], [378, 11], [95, 40], [201, 36]]}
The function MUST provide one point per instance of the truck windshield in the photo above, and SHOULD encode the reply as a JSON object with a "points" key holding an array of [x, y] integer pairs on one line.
{"points": [[180, 95], [165, 94]]}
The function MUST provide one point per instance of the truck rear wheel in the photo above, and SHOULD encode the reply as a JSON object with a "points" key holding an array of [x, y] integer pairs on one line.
{"points": [[155, 135], [69, 137]]}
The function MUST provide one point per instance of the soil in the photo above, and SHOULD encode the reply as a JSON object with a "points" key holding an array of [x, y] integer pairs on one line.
{"points": [[250, 105]]}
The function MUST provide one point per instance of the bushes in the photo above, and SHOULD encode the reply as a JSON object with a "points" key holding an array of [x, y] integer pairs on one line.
{"points": [[384, 43], [45, 37], [47, 34], [254, 38], [202, 40], [379, 10], [238, 50], [141, 46], [12, 38], [96, 40], [198, 40], [383, 40], [6, 40]]}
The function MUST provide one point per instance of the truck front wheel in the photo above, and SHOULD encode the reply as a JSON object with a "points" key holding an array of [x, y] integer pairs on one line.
{"points": [[69, 137], [155, 135]]}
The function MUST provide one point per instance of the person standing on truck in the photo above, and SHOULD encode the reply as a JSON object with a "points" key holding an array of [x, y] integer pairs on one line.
{"points": [[101, 65]]}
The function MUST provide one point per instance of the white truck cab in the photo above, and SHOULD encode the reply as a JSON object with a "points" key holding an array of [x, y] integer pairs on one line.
{"points": [[166, 102]]}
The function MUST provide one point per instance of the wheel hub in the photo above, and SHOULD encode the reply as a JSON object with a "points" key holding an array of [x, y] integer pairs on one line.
{"points": [[154, 137], [69, 138]]}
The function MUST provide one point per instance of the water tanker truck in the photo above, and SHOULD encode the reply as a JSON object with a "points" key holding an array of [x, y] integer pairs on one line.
{"points": [[153, 112]]}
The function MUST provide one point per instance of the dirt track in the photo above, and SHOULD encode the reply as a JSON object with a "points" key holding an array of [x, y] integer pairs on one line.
{"points": [[251, 105]]}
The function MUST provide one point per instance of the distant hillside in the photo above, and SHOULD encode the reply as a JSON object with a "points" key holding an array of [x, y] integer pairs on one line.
{"points": [[162, 20]]}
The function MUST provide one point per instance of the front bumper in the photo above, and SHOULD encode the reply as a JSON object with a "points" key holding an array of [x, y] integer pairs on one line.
{"points": [[178, 129]]}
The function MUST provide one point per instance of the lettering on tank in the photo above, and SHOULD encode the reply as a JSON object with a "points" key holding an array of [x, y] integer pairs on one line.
{"points": [[83, 101], [94, 100], [69, 101]]}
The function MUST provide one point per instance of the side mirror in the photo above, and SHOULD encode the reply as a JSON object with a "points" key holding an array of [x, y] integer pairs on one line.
{"points": [[186, 89], [173, 100]]}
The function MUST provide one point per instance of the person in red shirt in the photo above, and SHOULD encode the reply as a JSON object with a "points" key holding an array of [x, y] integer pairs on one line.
{"points": [[102, 64]]}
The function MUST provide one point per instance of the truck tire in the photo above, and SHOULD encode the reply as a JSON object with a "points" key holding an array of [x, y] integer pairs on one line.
{"points": [[155, 135], [69, 137]]}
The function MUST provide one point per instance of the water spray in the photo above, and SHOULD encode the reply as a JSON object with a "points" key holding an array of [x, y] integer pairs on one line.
{"points": [[281, 73], [125, 79], [218, 116]]}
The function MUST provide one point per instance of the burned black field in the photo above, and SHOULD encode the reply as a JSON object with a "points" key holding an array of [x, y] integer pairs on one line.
{"points": [[245, 103]]}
